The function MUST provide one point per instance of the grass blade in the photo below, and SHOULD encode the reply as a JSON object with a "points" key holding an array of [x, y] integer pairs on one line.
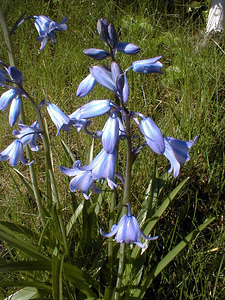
{"points": [[170, 256]]}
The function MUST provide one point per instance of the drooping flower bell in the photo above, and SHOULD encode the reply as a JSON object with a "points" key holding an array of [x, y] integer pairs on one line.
{"points": [[151, 65], [128, 231], [103, 166], [82, 179], [14, 153], [177, 152], [153, 135], [59, 118], [110, 133], [12, 96], [28, 135], [45, 27]]}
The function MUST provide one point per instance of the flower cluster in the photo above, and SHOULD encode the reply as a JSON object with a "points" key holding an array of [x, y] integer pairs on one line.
{"points": [[114, 78]]}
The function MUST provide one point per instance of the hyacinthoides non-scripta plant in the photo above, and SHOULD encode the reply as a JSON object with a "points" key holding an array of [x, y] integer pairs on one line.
{"points": [[90, 177]]}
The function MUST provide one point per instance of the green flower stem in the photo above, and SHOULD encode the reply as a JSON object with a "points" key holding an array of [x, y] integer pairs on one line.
{"points": [[126, 200], [22, 117], [46, 145], [110, 244], [51, 174], [7, 38]]}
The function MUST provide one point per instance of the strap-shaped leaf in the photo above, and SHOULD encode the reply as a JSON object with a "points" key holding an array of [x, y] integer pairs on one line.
{"points": [[34, 265], [68, 153], [169, 257], [17, 241], [159, 212], [74, 218], [57, 267]]}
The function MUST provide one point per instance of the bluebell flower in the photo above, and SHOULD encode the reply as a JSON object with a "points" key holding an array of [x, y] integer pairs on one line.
{"points": [[95, 108], [76, 120], [112, 36], [153, 135], [86, 86], [97, 54], [45, 27], [13, 73], [103, 166], [102, 27], [177, 152], [14, 153], [82, 179], [3, 76], [115, 80], [11, 97], [127, 48], [59, 118], [109, 36], [15, 110], [110, 133], [151, 65], [103, 77], [128, 231], [28, 135]]}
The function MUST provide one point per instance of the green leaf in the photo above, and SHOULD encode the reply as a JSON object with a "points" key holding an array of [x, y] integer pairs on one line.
{"points": [[74, 217], [57, 267], [162, 208], [68, 153], [82, 279], [26, 183], [25, 294], [169, 257], [19, 229], [36, 265], [17, 241]]}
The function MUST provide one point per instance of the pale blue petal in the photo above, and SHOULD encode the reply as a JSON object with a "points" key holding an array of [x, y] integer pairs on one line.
{"points": [[59, 118], [86, 86], [96, 161], [125, 89], [127, 48], [148, 237], [110, 134], [7, 98], [150, 65], [106, 167], [153, 135], [113, 231], [95, 108], [175, 166], [96, 53], [116, 71], [71, 172], [121, 233], [15, 110], [103, 77], [42, 24], [6, 153], [81, 182], [139, 244], [132, 230]]}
